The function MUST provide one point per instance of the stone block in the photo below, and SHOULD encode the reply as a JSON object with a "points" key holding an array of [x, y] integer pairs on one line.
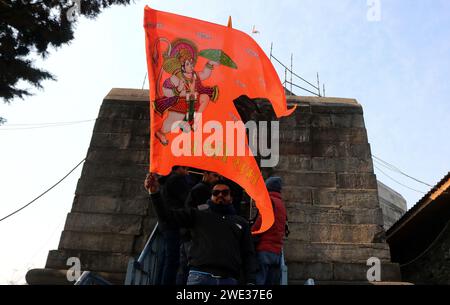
{"points": [[334, 215], [99, 187], [389, 272], [335, 135], [91, 261], [331, 252], [349, 164], [297, 149], [297, 195], [341, 150], [338, 121], [303, 271], [110, 140], [119, 156], [356, 181], [103, 242], [295, 135], [119, 141], [333, 233], [114, 170], [116, 110], [300, 118], [307, 179], [104, 223], [346, 198], [292, 162], [134, 188], [111, 205], [136, 127], [336, 108]]}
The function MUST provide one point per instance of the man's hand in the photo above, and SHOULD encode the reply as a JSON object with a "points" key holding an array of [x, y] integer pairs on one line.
{"points": [[151, 183]]}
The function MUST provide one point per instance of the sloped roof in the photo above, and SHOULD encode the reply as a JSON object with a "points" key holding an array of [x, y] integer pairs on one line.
{"points": [[441, 187], [420, 226]]}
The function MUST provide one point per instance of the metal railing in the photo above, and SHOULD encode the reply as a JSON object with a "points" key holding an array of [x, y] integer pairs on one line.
{"points": [[313, 89], [90, 278], [145, 270], [283, 270]]}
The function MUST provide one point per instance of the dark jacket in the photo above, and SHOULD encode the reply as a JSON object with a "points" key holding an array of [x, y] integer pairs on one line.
{"points": [[199, 194], [221, 244], [174, 190], [272, 239]]}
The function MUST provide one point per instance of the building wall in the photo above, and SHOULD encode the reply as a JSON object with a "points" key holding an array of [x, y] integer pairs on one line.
{"points": [[392, 204], [433, 266]]}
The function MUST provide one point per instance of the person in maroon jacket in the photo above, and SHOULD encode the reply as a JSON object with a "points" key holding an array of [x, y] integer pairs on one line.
{"points": [[270, 243]]}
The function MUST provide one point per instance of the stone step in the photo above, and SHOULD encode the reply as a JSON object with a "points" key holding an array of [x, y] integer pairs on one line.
{"points": [[124, 110], [126, 188], [90, 260], [94, 169], [336, 233], [335, 252], [59, 277], [104, 223], [108, 140], [324, 164], [297, 196], [111, 205], [116, 125], [339, 272], [348, 181], [119, 156], [103, 242], [333, 215]]}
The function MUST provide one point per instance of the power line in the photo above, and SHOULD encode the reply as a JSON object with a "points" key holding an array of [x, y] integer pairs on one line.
{"points": [[42, 125], [48, 190], [397, 181], [396, 169]]}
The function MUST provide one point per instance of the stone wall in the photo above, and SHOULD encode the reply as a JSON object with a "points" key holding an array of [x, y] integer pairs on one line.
{"points": [[331, 193], [392, 204]]}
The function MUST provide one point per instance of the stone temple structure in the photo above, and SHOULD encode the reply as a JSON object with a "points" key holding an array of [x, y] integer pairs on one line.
{"points": [[392, 204], [330, 191]]}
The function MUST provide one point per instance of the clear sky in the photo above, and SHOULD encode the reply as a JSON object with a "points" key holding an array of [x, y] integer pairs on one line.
{"points": [[396, 67]]}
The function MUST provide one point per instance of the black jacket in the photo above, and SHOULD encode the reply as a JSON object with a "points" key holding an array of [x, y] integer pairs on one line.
{"points": [[221, 244], [174, 190]]}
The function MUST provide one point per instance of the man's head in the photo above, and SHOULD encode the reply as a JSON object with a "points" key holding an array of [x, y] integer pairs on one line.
{"points": [[211, 177], [221, 194], [274, 184], [180, 170]]}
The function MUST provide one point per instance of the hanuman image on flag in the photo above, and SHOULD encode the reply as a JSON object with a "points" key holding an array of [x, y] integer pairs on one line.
{"points": [[182, 96]]}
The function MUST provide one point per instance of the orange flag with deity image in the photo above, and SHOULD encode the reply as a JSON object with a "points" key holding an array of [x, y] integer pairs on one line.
{"points": [[196, 70]]}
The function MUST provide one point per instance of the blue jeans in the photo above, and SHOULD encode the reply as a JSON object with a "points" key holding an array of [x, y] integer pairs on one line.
{"points": [[203, 278], [269, 268]]}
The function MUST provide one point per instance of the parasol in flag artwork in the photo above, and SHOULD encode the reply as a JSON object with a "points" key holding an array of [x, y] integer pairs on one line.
{"points": [[196, 70]]}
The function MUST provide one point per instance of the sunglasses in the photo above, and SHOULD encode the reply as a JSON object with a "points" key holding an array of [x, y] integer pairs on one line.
{"points": [[217, 192]]}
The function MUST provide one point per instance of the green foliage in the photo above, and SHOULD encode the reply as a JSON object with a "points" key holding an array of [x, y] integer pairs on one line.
{"points": [[31, 27]]}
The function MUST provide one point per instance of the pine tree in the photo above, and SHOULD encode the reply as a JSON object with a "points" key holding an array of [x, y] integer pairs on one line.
{"points": [[31, 27]]}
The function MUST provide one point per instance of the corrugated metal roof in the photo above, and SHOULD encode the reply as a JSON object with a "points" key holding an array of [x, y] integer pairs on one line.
{"points": [[425, 200]]}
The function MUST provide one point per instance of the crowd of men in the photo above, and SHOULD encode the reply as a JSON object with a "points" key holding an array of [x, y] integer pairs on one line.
{"points": [[206, 241]]}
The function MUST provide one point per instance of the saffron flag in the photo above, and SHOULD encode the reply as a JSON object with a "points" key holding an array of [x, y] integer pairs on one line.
{"points": [[196, 70]]}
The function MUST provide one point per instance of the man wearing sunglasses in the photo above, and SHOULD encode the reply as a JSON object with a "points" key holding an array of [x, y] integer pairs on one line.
{"points": [[197, 198], [222, 245]]}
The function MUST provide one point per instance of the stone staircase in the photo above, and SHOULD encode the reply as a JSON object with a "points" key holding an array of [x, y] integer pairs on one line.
{"points": [[325, 161]]}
